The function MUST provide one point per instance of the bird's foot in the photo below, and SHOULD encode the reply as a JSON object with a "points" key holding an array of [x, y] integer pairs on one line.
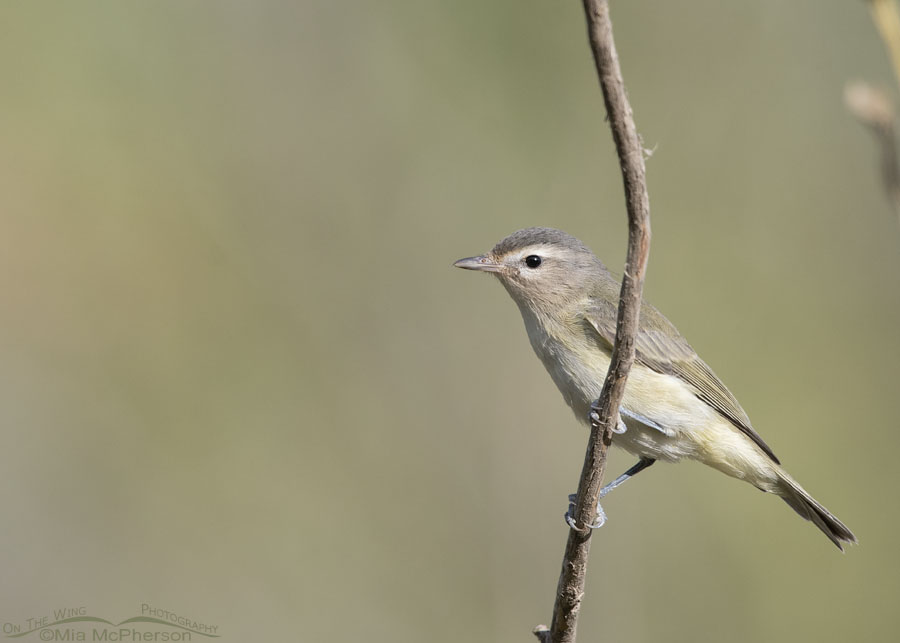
{"points": [[570, 518], [594, 417]]}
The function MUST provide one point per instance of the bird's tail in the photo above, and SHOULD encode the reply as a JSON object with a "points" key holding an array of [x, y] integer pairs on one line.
{"points": [[809, 509]]}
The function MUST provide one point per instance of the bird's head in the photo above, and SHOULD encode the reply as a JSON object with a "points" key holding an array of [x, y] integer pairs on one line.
{"points": [[544, 270]]}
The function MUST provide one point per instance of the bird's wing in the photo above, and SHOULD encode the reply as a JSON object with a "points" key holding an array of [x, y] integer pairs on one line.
{"points": [[661, 347]]}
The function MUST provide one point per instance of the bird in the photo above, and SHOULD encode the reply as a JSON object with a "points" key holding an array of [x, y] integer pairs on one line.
{"points": [[674, 406]]}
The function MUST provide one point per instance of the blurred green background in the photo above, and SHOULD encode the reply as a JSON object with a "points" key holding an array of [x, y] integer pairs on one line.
{"points": [[241, 381]]}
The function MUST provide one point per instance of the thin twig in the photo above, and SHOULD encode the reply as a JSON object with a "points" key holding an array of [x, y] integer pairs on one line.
{"points": [[871, 105], [873, 108], [570, 589], [887, 20]]}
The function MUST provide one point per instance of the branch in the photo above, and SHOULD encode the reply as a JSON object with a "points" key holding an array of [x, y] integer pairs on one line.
{"points": [[887, 20], [873, 108], [570, 589]]}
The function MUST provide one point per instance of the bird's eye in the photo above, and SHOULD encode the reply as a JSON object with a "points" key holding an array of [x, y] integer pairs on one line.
{"points": [[532, 261]]}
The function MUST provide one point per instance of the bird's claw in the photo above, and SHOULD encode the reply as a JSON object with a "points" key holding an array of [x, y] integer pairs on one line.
{"points": [[594, 413], [594, 416], [570, 518], [601, 518]]}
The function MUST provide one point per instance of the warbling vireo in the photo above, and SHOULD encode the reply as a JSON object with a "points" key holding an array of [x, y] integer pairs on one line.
{"points": [[674, 405]]}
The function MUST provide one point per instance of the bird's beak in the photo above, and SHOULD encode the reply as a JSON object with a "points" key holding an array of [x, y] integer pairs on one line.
{"points": [[483, 263]]}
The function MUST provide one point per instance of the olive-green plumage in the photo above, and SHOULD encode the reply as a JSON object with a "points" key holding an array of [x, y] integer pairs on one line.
{"points": [[674, 405]]}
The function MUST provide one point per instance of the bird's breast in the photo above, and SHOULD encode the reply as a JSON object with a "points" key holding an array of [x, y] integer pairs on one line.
{"points": [[577, 367], [577, 363]]}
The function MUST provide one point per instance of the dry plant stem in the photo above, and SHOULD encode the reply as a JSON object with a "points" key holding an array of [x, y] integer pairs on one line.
{"points": [[570, 589], [887, 20], [873, 108]]}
